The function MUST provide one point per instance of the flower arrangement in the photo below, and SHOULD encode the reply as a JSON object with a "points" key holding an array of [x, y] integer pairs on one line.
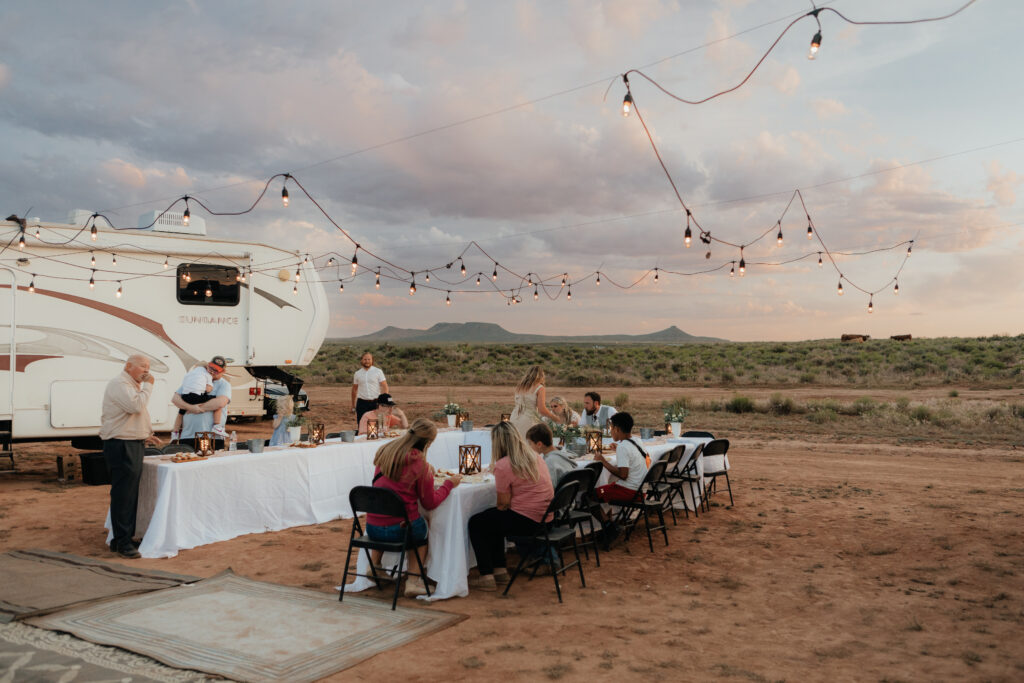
{"points": [[297, 419], [566, 433], [451, 408], [675, 411]]}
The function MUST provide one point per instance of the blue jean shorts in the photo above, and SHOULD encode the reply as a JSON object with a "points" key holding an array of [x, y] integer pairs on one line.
{"points": [[395, 533]]}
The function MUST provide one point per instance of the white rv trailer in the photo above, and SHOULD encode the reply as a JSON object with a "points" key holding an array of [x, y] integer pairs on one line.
{"points": [[176, 298]]}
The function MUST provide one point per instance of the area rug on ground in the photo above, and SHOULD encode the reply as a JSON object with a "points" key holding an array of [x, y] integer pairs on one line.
{"points": [[39, 581], [34, 654], [249, 630]]}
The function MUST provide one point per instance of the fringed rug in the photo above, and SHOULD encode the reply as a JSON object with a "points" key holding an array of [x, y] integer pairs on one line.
{"points": [[34, 654], [249, 630], [35, 581]]}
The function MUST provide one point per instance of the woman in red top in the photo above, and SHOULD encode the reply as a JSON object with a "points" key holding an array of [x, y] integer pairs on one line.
{"points": [[523, 485], [401, 466]]}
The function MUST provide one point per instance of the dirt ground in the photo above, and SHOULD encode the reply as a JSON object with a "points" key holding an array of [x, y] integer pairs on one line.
{"points": [[863, 561]]}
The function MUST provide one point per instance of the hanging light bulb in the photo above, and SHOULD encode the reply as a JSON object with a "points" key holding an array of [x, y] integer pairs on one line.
{"points": [[655, 274], [284, 196], [563, 281], [209, 292], [820, 263], [839, 291], [448, 299], [92, 259], [778, 238], [167, 263], [295, 289], [568, 295], [377, 284], [536, 294], [241, 276], [93, 230], [32, 283], [341, 287], [297, 273], [92, 280], [896, 289], [412, 288], [627, 103], [21, 240], [187, 216], [119, 291], [494, 275], [477, 280], [815, 44], [114, 259], [871, 304], [463, 268], [238, 276], [427, 277], [330, 261], [732, 270], [305, 260], [529, 279], [38, 235], [743, 267], [188, 276], [687, 237], [810, 231], [909, 247], [599, 279]]}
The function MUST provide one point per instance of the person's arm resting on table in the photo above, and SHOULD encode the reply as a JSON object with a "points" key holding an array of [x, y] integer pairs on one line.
{"points": [[620, 472]]}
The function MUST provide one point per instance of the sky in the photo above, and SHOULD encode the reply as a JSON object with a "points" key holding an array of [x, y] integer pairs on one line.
{"points": [[420, 127]]}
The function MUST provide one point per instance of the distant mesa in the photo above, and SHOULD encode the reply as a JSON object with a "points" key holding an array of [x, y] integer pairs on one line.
{"points": [[490, 333]]}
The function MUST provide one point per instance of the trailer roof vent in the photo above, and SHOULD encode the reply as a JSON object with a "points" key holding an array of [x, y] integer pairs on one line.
{"points": [[173, 221]]}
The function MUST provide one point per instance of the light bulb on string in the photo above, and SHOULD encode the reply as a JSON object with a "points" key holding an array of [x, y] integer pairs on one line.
{"points": [[93, 230], [355, 260], [536, 294], [295, 289], [412, 288], [377, 283], [21, 239], [238, 276], [627, 103], [167, 262], [839, 290], [655, 274], [187, 276], [462, 268], [209, 292], [38, 234], [284, 196], [563, 281], [330, 261], [92, 280], [896, 289], [871, 304], [92, 259], [743, 264], [305, 260], [778, 238], [810, 231], [187, 216], [909, 247], [448, 299], [32, 283], [732, 270], [687, 237], [297, 271], [815, 45], [477, 280], [242, 274], [341, 286], [114, 259], [529, 279], [598, 279], [119, 291], [494, 275], [568, 294], [427, 277], [820, 262]]}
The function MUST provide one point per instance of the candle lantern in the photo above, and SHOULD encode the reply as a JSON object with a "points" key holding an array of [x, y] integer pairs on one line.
{"points": [[460, 418], [506, 417], [316, 433], [204, 443], [469, 459], [371, 431], [594, 443]]}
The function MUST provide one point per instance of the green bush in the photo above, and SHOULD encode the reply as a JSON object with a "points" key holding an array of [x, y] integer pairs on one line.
{"points": [[780, 405], [823, 416], [739, 404]]}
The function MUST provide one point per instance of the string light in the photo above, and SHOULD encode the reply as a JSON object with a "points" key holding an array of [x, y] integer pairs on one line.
{"points": [[568, 294], [815, 44], [896, 289], [598, 279], [188, 276], [295, 289], [778, 239], [839, 291], [114, 259], [341, 286], [427, 277], [536, 295], [167, 262], [38, 234], [462, 268], [655, 274], [209, 292], [810, 230], [305, 260], [241, 276], [284, 196], [330, 261], [412, 288], [871, 303], [627, 104], [448, 299], [494, 275], [688, 235], [92, 258], [92, 280], [909, 247], [93, 230], [21, 240], [32, 283], [186, 217], [743, 264], [563, 280], [732, 269], [238, 276], [377, 283], [820, 262], [297, 273], [355, 260], [119, 291], [477, 280]]}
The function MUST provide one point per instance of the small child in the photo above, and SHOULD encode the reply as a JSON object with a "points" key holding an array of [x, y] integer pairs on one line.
{"points": [[285, 405], [197, 388]]}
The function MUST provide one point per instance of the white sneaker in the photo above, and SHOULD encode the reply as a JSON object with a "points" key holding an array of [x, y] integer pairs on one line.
{"points": [[219, 430]]}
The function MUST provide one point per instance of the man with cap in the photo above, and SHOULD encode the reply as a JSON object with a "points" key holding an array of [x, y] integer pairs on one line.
{"points": [[197, 388], [386, 410]]}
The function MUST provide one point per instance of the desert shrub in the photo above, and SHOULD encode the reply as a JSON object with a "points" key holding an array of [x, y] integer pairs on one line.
{"points": [[781, 405], [922, 414], [902, 403], [1017, 410], [808, 377], [739, 404], [861, 406], [621, 400], [822, 416], [953, 393]]}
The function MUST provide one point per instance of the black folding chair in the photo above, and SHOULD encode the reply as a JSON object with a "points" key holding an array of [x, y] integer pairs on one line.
{"points": [[172, 448], [153, 450], [597, 468], [552, 535], [685, 474], [582, 512], [699, 435], [643, 503], [716, 465], [381, 501], [662, 489]]}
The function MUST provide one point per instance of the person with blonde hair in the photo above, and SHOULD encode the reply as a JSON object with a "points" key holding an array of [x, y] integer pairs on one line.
{"points": [[564, 415], [401, 466], [283, 408], [524, 490], [531, 404]]}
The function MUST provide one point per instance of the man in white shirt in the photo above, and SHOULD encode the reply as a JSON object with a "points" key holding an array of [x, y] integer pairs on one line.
{"points": [[367, 384], [628, 472], [125, 428], [595, 414]]}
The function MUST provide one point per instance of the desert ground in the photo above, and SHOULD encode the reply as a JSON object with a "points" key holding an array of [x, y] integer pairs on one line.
{"points": [[853, 552]]}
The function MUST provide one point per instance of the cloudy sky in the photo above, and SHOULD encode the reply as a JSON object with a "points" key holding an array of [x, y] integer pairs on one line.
{"points": [[422, 126]]}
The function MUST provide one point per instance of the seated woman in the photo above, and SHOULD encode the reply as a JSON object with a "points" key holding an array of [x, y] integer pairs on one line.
{"points": [[393, 417], [564, 415], [524, 490], [401, 466]]}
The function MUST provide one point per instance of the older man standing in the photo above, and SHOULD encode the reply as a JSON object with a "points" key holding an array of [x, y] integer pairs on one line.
{"points": [[125, 428], [367, 384]]}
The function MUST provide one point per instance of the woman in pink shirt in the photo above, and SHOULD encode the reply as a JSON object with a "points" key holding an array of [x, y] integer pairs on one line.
{"points": [[523, 485], [401, 466]]}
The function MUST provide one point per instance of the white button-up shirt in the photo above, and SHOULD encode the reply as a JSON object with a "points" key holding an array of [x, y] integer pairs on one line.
{"points": [[368, 381]]}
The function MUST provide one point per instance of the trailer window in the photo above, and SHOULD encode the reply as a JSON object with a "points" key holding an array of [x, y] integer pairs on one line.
{"points": [[202, 284]]}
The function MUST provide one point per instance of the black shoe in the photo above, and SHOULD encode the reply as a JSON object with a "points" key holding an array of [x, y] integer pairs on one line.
{"points": [[129, 551], [609, 534]]}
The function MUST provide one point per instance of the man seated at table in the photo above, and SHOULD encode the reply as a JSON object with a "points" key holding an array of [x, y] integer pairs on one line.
{"points": [[627, 473], [392, 416], [595, 414], [199, 418], [540, 439]]}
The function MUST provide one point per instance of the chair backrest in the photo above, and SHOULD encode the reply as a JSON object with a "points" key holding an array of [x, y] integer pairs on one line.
{"points": [[714, 455], [673, 456], [596, 468], [153, 450], [653, 475], [716, 447], [177, 448], [699, 435], [377, 501], [562, 503], [584, 476]]}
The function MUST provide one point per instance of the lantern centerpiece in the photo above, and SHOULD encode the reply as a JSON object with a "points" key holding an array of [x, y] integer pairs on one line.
{"points": [[469, 459]]}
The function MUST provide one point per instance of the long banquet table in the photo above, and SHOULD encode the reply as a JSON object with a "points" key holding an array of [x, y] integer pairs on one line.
{"points": [[185, 505]]}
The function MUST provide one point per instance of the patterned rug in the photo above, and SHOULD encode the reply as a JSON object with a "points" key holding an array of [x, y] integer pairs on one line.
{"points": [[249, 630], [38, 581], [33, 654]]}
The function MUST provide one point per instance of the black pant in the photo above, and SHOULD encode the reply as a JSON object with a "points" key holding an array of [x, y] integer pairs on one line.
{"points": [[487, 533], [124, 460], [363, 406]]}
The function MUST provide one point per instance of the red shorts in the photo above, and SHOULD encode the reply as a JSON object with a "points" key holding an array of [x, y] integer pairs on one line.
{"points": [[610, 492]]}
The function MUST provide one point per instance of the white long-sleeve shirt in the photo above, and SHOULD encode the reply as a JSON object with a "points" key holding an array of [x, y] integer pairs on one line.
{"points": [[125, 414]]}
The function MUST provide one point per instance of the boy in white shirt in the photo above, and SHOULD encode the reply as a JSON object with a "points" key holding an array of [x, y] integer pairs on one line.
{"points": [[196, 388], [628, 472]]}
